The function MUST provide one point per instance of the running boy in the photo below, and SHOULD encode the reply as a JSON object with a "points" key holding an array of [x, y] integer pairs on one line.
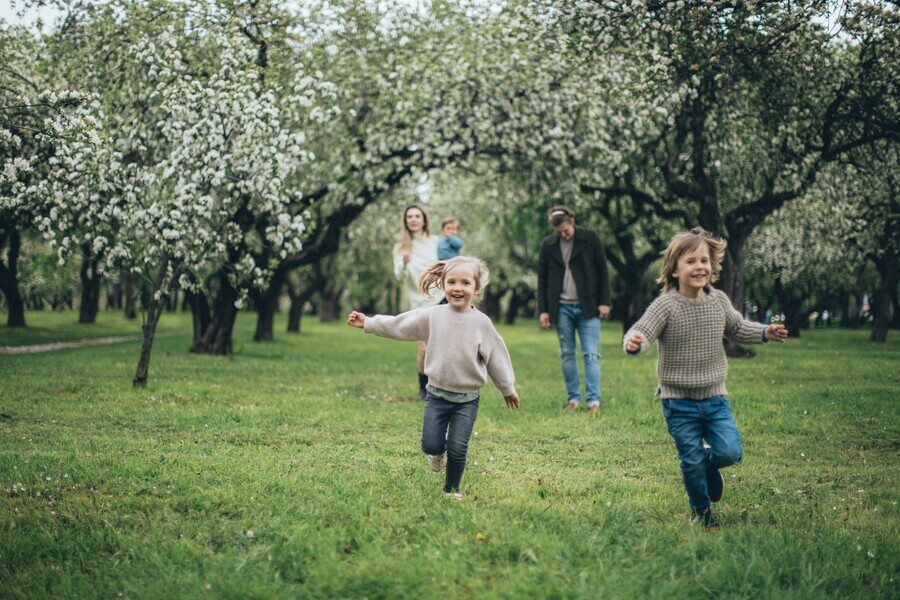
{"points": [[690, 319], [464, 349]]}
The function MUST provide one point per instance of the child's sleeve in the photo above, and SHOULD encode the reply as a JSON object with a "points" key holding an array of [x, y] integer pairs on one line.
{"points": [[496, 358], [650, 325], [738, 329], [408, 326], [455, 242]]}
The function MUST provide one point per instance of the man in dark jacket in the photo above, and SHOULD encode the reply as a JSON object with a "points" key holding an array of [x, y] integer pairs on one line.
{"points": [[573, 293]]}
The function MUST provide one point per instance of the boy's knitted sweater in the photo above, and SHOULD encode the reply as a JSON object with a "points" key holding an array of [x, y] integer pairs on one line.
{"points": [[463, 346], [692, 362]]}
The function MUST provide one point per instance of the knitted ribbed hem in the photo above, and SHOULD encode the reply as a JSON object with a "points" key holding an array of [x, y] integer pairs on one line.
{"points": [[666, 391]]}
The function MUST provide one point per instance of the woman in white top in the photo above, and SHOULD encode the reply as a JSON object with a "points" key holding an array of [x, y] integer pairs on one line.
{"points": [[414, 251]]}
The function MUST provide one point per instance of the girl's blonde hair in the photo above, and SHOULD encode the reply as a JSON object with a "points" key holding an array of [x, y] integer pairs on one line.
{"points": [[433, 276], [404, 241], [689, 241]]}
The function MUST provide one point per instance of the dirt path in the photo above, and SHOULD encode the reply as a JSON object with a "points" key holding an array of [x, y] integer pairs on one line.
{"points": [[63, 345]]}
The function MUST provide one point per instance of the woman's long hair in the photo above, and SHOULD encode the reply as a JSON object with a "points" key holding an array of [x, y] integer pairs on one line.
{"points": [[405, 240]]}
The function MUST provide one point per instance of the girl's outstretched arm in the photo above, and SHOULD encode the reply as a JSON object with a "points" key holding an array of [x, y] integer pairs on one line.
{"points": [[356, 319], [512, 401]]}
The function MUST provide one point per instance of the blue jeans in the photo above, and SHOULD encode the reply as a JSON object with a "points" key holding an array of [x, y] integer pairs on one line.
{"points": [[692, 421], [569, 320], [447, 427]]}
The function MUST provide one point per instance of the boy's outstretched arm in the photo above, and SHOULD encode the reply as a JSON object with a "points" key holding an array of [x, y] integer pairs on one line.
{"points": [[512, 401], [776, 333], [356, 319], [634, 343]]}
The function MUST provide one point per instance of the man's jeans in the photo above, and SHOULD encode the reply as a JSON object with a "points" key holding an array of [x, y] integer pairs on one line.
{"points": [[459, 417], [571, 319], [692, 421]]}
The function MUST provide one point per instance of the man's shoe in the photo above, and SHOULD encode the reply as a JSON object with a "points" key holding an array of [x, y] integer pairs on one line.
{"points": [[705, 517], [572, 406], [453, 496], [715, 484], [437, 463], [594, 409]]}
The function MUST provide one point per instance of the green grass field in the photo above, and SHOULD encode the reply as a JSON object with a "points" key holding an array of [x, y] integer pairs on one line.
{"points": [[292, 470]]}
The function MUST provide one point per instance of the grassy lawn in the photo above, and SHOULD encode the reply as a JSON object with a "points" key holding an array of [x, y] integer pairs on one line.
{"points": [[292, 470]]}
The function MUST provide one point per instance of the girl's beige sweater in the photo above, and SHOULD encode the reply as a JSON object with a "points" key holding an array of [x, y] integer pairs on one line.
{"points": [[463, 346]]}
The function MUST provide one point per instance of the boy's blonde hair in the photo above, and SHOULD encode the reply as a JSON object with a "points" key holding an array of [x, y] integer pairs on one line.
{"points": [[433, 276], [448, 221], [689, 241]]}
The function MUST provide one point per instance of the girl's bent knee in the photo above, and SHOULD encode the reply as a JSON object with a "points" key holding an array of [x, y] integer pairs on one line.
{"points": [[434, 448], [457, 449]]}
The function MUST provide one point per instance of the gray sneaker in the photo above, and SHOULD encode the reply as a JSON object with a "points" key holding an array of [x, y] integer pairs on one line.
{"points": [[437, 463]]}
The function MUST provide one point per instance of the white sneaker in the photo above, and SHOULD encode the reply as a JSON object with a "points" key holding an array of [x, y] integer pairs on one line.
{"points": [[453, 496], [437, 463]]}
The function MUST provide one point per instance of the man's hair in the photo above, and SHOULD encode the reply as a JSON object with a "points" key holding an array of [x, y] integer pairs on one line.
{"points": [[560, 214], [689, 241]]}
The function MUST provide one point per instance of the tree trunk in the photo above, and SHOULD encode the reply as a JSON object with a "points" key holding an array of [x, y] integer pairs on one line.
{"points": [[520, 297], [266, 307], [217, 338], [295, 315], [199, 313], [330, 304], [881, 302], [154, 312], [732, 283], [634, 297], [792, 305], [895, 315], [129, 305], [9, 278], [90, 287], [114, 295]]}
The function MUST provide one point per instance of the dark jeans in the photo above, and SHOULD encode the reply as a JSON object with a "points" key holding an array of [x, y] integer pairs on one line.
{"points": [[447, 427], [692, 421]]}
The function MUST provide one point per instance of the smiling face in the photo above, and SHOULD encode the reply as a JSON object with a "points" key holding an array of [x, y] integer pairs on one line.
{"points": [[693, 271], [415, 221], [565, 230], [460, 285]]}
